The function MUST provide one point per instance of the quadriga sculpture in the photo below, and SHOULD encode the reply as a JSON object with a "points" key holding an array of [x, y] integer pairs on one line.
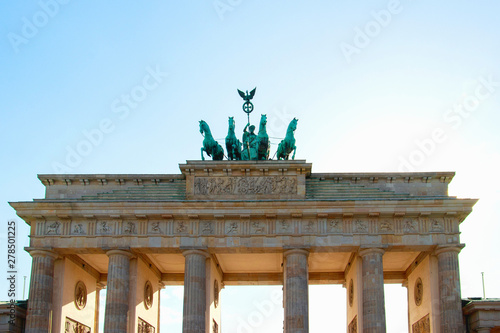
{"points": [[210, 146], [288, 143]]}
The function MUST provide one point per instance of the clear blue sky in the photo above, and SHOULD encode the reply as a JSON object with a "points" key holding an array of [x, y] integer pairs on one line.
{"points": [[377, 86]]}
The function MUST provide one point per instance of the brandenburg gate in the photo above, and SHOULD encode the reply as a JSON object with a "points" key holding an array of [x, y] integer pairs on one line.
{"points": [[242, 223]]}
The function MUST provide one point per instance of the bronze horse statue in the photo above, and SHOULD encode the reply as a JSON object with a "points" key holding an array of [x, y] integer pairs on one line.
{"points": [[263, 146], [288, 143], [233, 145], [210, 146]]}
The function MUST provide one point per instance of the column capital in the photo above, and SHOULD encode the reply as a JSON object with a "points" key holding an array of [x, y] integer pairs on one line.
{"points": [[365, 251], [122, 252], [41, 252], [295, 251], [204, 253], [449, 248]]}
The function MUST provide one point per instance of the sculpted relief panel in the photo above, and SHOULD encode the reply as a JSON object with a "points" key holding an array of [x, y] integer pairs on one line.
{"points": [[247, 225], [245, 185]]}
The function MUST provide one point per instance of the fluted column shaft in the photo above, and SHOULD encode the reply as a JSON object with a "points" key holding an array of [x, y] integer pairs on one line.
{"points": [[373, 291], [450, 301], [117, 295], [41, 286], [195, 291], [296, 288]]}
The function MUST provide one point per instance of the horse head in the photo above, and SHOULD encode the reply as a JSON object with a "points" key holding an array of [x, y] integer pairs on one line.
{"points": [[203, 126], [293, 124], [232, 123], [263, 119]]}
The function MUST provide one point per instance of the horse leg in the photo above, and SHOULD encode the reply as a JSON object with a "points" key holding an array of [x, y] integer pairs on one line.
{"points": [[294, 151], [202, 157]]}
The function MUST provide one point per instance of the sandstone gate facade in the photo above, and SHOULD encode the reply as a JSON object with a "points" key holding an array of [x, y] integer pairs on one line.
{"points": [[237, 223]]}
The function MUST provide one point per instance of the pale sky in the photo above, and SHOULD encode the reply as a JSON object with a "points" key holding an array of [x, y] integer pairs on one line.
{"points": [[376, 86]]}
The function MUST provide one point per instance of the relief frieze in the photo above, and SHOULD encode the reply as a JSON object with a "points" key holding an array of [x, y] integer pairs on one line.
{"points": [[410, 226], [53, 228], [154, 227], [422, 326], [245, 185], [336, 226], [385, 225], [232, 228], [79, 229], [129, 228], [105, 227], [257, 227], [207, 227], [360, 226]]}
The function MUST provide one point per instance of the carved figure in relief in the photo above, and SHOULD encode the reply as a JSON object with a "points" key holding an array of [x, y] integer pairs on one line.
{"points": [[288, 143], [353, 325], [310, 226], [233, 228], [104, 227], [130, 228], [436, 226], [155, 227], [80, 295], [233, 145], [361, 226], [78, 230], [385, 225], [208, 227], [181, 227], [257, 227], [53, 228], [148, 295], [335, 225], [409, 226], [210, 146], [245, 185], [284, 225]]}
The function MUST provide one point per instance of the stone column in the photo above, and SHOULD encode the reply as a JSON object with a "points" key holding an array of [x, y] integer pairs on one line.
{"points": [[450, 301], [116, 313], [195, 291], [39, 316], [296, 289], [373, 290]]}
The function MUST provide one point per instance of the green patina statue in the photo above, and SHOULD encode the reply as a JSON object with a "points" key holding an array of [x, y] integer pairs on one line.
{"points": [[288, 143], [233, 145], [210, 146], [252, 147], [249, 143], [263, 145]]}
